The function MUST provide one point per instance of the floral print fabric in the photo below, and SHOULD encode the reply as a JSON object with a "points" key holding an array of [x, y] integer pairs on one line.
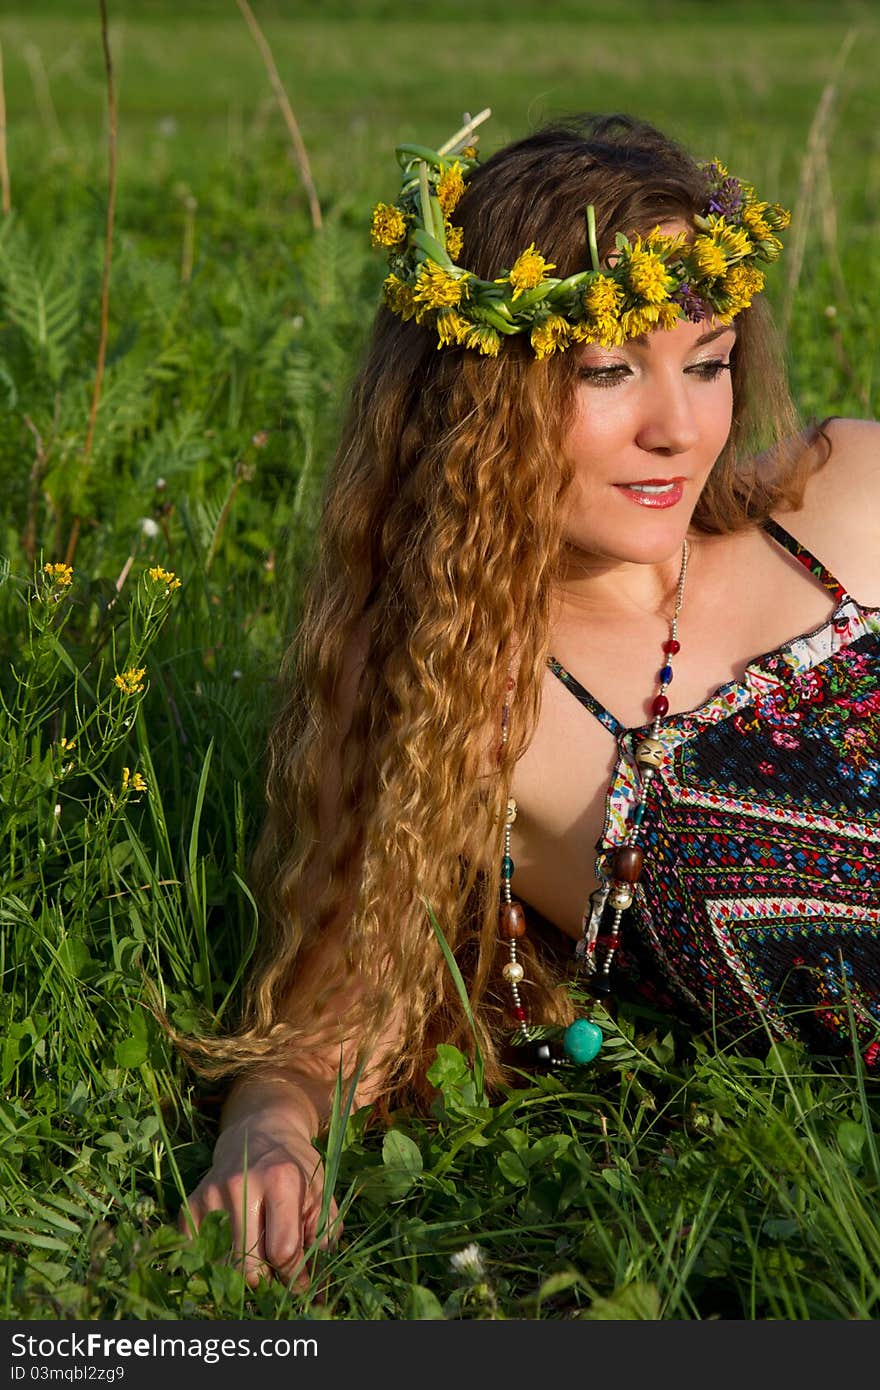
{"points": [[759, 902]]}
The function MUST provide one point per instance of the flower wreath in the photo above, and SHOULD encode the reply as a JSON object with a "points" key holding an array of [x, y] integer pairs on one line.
{"points": [[653, 281]]}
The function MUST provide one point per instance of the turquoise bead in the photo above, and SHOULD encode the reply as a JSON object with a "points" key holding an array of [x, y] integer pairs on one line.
{"points": [[639, 813], [582, 1040], [507, 867]]}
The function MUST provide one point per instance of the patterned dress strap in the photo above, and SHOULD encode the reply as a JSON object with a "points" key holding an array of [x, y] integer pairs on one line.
{"points": [[807, 559], [585, 698]]}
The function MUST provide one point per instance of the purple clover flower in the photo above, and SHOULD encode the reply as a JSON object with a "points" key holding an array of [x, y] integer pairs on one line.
{"points": [[693, 306], [727, 197]]}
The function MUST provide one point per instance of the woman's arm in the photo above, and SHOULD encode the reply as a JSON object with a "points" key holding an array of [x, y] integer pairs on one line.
{"points": [[266, 1173]]}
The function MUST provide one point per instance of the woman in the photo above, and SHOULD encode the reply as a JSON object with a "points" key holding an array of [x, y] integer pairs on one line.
{"points": [[579, 477]]}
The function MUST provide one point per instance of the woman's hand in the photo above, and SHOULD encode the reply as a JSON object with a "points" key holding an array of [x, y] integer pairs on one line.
{"points": [[268, 1176]]}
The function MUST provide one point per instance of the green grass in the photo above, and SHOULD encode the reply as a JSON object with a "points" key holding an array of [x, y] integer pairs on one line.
{"points": [[673, 1180]]}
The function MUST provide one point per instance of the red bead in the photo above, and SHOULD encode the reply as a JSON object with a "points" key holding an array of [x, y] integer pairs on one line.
{"points": [[672, 646], [660, 705], [511, 921], [519, 1013], [626, 866]]}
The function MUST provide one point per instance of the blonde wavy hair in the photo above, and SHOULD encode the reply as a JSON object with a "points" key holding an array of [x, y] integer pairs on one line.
{"points": [[437, 559]]}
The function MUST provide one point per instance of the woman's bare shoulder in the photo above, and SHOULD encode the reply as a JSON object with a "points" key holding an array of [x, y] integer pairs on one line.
{"points": [[839, 520], [851, 470]]}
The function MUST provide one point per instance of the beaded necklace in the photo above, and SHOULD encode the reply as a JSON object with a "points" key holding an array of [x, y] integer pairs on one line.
{"points": [[595, 952]]}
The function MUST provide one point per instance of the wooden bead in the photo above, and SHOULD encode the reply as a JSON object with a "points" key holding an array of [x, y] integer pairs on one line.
{"points": [[626, 866], [650, 753], [512, 921]]}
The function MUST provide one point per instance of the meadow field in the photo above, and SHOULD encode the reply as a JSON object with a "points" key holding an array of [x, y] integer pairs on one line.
{"points": [[674, 1180]]}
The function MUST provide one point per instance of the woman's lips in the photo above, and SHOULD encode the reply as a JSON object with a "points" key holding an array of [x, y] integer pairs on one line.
{"points": [[653, 492]]}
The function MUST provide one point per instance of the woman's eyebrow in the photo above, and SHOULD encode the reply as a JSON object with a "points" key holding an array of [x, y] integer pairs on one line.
{"points": [[716, 333]]}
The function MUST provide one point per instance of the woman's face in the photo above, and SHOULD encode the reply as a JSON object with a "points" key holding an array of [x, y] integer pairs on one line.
{"points": [[655, 411]]}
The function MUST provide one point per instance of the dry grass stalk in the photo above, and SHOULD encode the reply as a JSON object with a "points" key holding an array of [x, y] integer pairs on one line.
{"points": [[108, 260], [5, 196], [300, 155], [815, 154]]}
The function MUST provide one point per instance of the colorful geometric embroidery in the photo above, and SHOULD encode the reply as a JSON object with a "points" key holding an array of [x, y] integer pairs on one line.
{"points": [[759, 903]]}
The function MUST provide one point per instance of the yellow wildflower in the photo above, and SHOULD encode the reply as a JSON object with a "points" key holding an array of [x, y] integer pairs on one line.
{"points": [[645, 319], [647, 275], [669, 314], [450, 187], [740, 285], [529, 269], [454, 240], [399, 297], [131, 682], [132, 781], [485, 339], [469, 152], [60, 575], [435, 288], [552, 335], [66, 744], [706, 258], [166, 577], [755, 223], [603, 300], [388, 226], [452, 327]]}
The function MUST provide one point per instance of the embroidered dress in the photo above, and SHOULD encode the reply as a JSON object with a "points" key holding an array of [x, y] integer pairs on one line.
{"points": [[758, 908]]}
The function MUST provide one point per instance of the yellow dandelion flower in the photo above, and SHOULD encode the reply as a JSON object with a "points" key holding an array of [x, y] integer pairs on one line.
{"points": [[388, 227], [706, 258], [454, 240], [166, 577], [740, 285], [529, 270], [778, 217], [435, 288], [647, 275], [756, 225], [452, 328], [552, 335], [450, 187], [60, 575], [669, 314], [485, 339], [645, 319], [132, 781], [399, 297], [131, 682], [602, 302], [662, 244]]}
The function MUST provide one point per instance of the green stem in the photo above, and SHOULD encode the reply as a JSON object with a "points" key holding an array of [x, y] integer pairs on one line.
{"points": [[591, 236]]}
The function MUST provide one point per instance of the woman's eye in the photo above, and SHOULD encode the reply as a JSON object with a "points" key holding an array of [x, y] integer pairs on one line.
{"points": [[709, 371], [605, 376]]}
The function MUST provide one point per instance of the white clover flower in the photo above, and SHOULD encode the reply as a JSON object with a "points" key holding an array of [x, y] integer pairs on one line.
{"points": [[148, 527], [468, 1261]]}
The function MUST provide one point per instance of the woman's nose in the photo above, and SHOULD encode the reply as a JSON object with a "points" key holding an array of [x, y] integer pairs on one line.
{"points": [[669, 424]]}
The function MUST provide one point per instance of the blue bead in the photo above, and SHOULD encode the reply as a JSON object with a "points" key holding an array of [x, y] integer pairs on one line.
{"points": [[666, 675], [639, 813], [582, 1041], [507, 867]]}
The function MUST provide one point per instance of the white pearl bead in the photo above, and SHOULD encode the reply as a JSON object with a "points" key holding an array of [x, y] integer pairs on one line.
{"points": [[513, 972]]}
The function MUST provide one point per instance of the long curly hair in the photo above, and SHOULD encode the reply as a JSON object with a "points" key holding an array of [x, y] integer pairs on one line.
{"points": [[436, 562]]}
